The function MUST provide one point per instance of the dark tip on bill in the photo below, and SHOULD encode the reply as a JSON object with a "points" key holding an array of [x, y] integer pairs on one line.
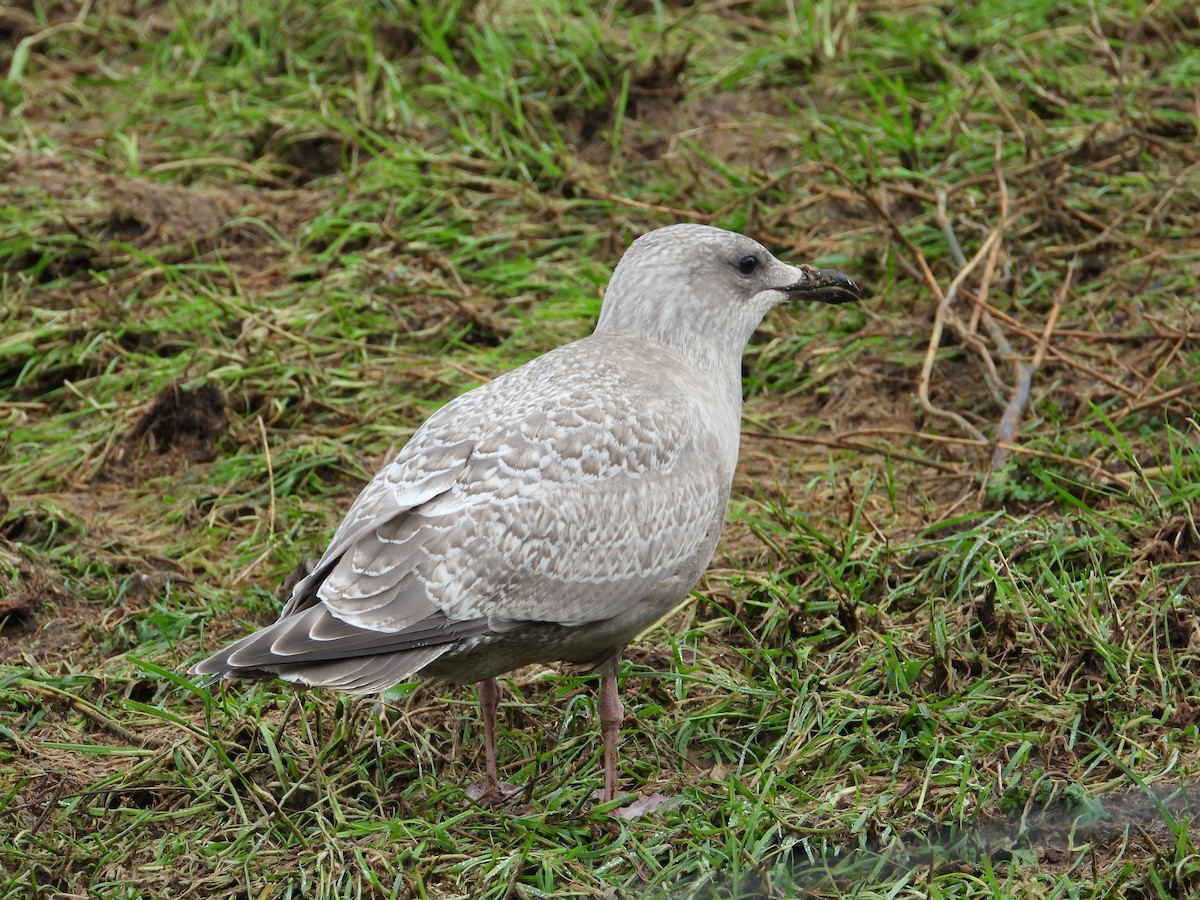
{"points": [[825, 285]]}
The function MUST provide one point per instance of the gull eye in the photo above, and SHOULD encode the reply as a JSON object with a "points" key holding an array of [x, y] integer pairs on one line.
{"points": [[747, 264]]}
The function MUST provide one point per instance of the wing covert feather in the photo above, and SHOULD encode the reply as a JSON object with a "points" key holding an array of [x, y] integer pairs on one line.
{"points": [[562, 497]]}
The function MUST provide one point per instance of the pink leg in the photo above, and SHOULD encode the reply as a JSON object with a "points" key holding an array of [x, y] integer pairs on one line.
{"points": [[489, 702], [492, 790], [612, 713]]}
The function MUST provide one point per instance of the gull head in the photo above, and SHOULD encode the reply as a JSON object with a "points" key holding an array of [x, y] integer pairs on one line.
{"points": [[686, 283]]}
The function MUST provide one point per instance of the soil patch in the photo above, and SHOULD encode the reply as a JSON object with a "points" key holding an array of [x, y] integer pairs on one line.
{"points": [[92, 218], [185, 419], [181, 427]]}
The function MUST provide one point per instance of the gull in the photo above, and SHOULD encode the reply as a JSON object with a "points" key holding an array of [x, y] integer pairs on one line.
{"points": [[554, 513]]}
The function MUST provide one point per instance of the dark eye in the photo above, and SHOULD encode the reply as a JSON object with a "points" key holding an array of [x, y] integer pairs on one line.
{"points": [[747, 264]]}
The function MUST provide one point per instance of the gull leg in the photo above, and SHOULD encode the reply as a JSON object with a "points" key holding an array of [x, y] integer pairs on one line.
{"points": [[489, 702], [493, 790], [612, 714]]}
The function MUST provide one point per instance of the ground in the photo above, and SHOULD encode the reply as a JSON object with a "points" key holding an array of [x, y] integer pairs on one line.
{"points": [[950, 643]]}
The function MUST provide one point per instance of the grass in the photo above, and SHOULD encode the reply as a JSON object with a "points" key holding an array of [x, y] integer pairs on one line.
{"points": [[246, 248]]}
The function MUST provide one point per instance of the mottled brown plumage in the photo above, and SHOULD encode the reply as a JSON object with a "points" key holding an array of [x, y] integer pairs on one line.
{"points": [[555, 512]]}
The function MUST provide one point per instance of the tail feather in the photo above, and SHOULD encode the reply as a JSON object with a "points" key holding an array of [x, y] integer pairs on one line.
{"points": [[363, 675], [355, 675], [315, 648]]}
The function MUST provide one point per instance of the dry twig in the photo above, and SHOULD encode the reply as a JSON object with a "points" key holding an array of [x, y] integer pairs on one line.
{"points": [[1019, 399]]}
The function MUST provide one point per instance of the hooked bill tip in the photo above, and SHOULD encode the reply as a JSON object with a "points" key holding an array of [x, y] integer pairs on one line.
{"points": [[825, 285]]}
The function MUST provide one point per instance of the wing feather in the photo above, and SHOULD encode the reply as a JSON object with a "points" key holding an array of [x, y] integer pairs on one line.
{"points": [[561, 493]]}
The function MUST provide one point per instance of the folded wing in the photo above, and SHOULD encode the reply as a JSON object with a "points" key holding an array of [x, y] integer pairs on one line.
{"points": [[510, 505]]}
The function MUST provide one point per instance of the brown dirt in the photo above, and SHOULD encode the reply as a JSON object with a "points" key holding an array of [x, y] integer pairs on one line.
{"points": [[42, 618], [184, 420], [109, 214], [33, 586]]}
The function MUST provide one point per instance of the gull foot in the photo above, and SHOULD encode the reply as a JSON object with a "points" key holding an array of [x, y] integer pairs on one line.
{"points": [[490, 793], [642, 805]]}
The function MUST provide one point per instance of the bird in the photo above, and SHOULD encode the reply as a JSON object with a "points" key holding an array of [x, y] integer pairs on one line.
{"points": [[553, 513]]}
